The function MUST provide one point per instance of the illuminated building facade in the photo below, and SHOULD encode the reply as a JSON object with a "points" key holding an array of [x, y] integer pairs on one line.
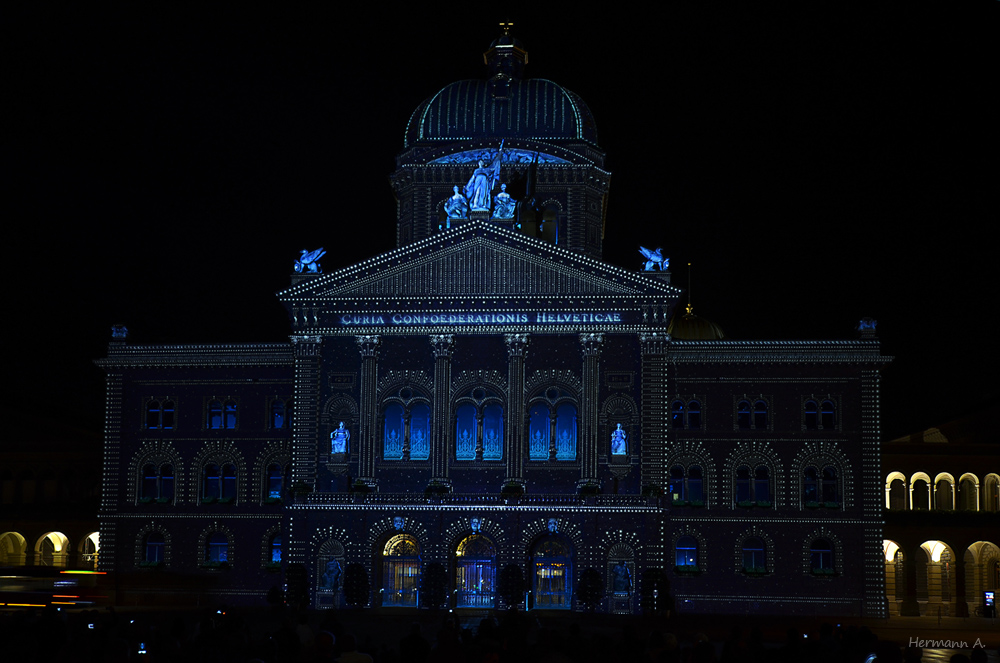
{"points": [[942, 496], [489, 415]]}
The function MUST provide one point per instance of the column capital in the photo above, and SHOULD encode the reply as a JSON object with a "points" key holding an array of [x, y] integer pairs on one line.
{"points": [[443, 345], [591, 344], [517, 344], [654, 343], [368, 345], [306, 346]]}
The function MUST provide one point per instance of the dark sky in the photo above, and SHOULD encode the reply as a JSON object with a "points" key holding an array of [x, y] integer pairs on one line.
{"points": [[165, 169]]}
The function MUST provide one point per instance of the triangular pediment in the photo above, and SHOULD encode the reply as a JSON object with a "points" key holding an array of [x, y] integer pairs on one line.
{"points": [[480, 259]]}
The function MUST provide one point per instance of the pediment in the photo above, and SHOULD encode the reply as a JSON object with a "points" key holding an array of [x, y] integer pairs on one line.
{"points": [[480, 259]]}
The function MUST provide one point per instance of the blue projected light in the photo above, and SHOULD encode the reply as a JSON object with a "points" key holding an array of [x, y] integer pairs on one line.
{"points": [[509, 156]]}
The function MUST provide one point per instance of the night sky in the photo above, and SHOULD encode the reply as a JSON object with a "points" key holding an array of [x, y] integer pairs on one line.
{"points": [[165, 169]]}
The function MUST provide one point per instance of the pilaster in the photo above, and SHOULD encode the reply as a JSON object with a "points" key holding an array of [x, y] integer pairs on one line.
{"points": [[443, 347], [515, 435], [591, 348], [654, 408], [368, 452]]}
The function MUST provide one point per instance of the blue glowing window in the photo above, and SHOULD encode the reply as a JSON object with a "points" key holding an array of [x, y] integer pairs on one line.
{"points": [[276, 549], [230, 414], [155, 548], [492, 432], [278, 418], [538, 432], [465, 433], [275, 481], [214, 415], [686, 551], [420, 432], [566, 432], [677, 414], [217, 548], [394, 428]]}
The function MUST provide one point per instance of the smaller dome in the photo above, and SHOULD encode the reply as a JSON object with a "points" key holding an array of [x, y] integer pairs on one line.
{"points": [[689, 327]]}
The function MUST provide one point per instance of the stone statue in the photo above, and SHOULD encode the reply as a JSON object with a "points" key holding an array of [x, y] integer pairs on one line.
{"points": [[654, 259], [621, 583], [479, 189], [503, 204], [397, 523], [618, 438], [457, 207], [339, 439], [552, 525], [331, 576], [476, 524], [307, 261]]}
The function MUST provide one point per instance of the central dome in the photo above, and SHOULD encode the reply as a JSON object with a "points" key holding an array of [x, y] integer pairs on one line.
{"points": [[503, 106]]}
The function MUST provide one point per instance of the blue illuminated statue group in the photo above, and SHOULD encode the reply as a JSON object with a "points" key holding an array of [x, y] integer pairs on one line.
{"points": [[477, 194], [654, 259]]}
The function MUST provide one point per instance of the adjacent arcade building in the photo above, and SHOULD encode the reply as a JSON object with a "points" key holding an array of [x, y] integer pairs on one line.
{"points": [[490, 415]]}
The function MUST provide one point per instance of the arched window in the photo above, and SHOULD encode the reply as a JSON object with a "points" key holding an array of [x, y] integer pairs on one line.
{"points": [[393, 432], [219, 483], [694, 415], [831, 486], [821, 557], [538, 432], [407, 429], [753, 487], [760, 415], [168, 415], [400, 571], [695, 490], [230, 412], [153, 415], [686, 553], [678, 489], [157, 483], [52, 549], [897, 495], [687, 485], [991, 496], [214, 420], [216, 549], [277, 479], [566, 432], [552, 426], [677, 414], [475, 572], [553, 586], [743, 415], [479, 422], [920, 495], [811, 412], [754, 560], [275, 549], [943, 498], [968, 495], [810, 486], [829, 415], [154, 549], [278, 414]]}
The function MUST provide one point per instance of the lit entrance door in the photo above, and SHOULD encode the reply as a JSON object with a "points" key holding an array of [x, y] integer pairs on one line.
{"points": [[475, 572], [553, 575], [401, 571]]}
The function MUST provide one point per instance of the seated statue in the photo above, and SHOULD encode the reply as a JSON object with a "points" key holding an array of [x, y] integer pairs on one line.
{"points": [[457, 207], [503, 204], [618, 437]]}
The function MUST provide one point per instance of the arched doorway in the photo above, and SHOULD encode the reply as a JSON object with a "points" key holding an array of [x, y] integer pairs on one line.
{"points": [[89, 548], [475, 572], [12, 549], [552, 558], [401, 571], [52, 549]]}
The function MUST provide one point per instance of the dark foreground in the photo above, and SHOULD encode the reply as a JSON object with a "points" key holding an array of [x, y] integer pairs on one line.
{"points": [[279, 636]]}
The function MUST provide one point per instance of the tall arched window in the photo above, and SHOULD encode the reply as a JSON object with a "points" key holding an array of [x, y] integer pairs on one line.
{"points": [[216, 549], [754, 560], [553, 586], [694, 415], [153, 415], [552, 425], [219, 483], [230, 413], [393, 432], [420, 432], [274, 549], [752, 486], [943, 498], [811, 415], [278, 414], [686, 553], [743, 415], [479, 423], [829, 415], [475, 572], [678, 489], [821, 556], [400, 571], [157, 482], [154, 549], [214, 420], [677, 414], [991, 494], [810, 486], [277, 480], [831, 485], [407, 426]]}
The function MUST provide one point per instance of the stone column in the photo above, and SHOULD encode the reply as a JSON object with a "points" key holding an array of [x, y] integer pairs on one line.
{"points": [[654, 407], [911, 553], [515, 435], [588, 442], [368, 452], [443, 346]]}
